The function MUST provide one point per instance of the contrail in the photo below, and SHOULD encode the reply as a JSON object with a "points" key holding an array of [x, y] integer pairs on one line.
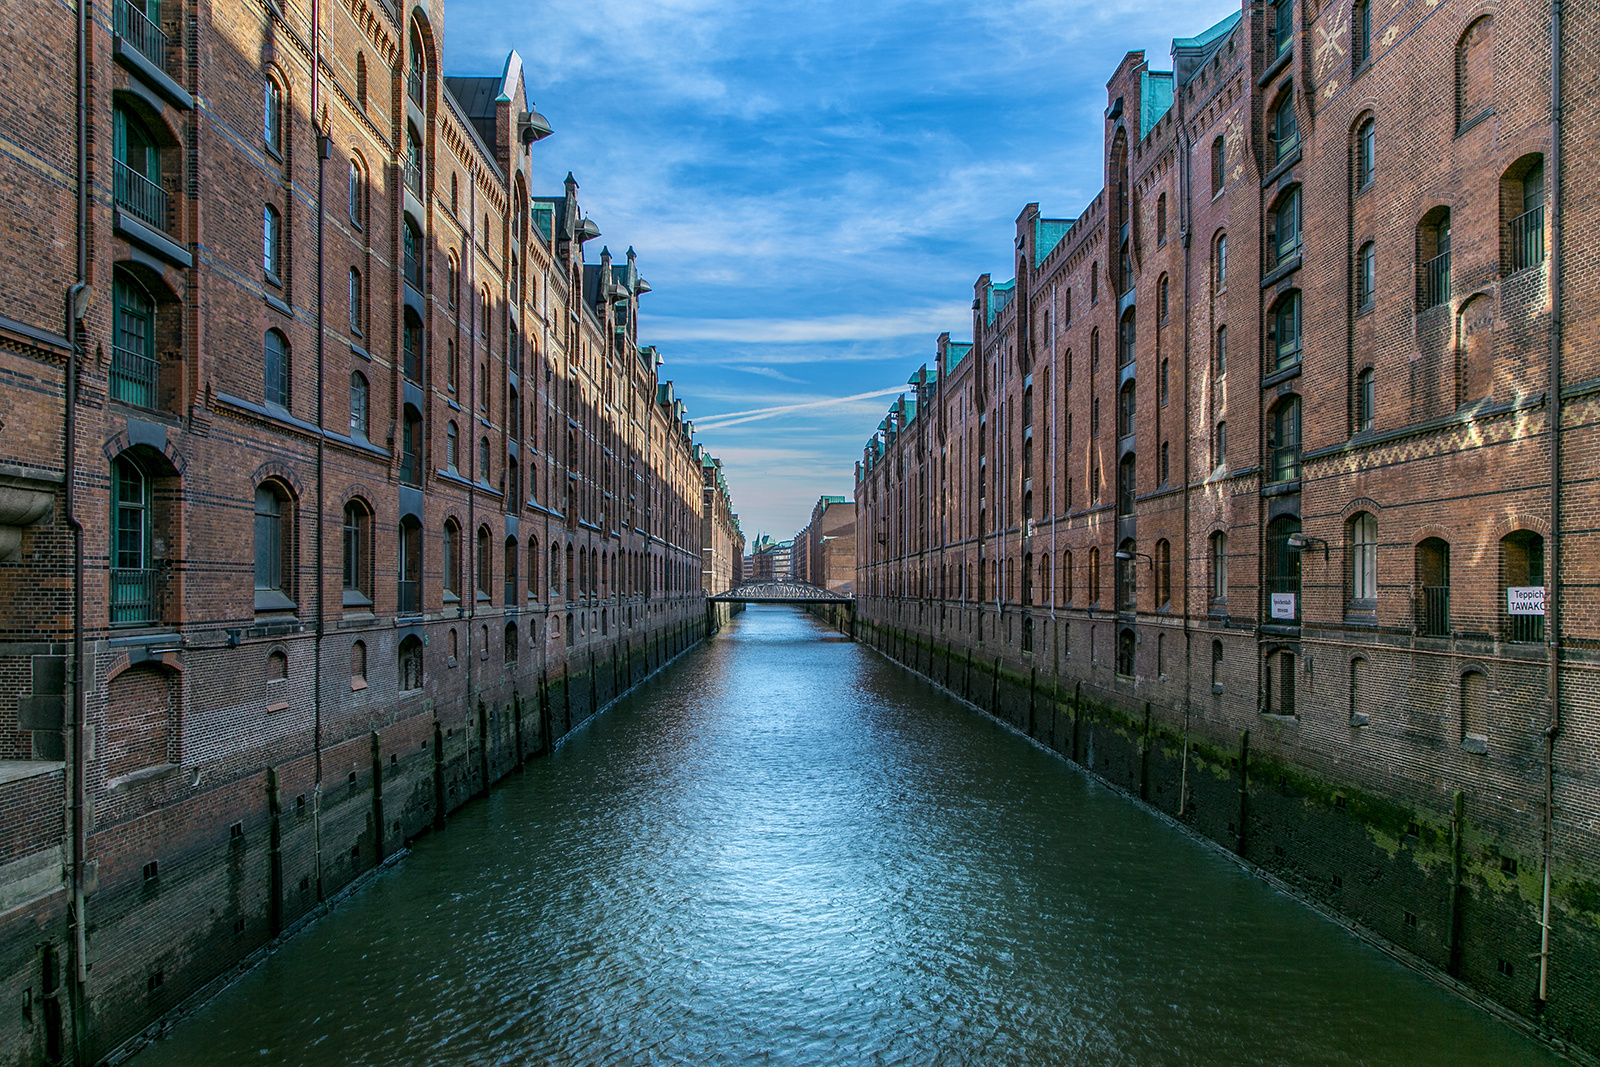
{"points": [[734, 418]]}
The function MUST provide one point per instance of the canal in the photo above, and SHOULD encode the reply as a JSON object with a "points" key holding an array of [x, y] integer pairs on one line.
{"points": [[784, 849]]}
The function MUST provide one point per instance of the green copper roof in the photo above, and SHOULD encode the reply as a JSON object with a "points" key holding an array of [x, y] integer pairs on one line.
{"points": [[999, 296], [1047, 233], [1155, 99]]}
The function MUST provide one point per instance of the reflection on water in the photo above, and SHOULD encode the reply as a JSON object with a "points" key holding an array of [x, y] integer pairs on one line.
{"points": [[786, 850]]}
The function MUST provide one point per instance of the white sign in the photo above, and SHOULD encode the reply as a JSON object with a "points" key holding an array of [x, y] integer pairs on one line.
{"points": [[1525, 600], [1283, 605]]}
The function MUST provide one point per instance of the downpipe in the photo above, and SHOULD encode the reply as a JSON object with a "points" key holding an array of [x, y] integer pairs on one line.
{"points": [[1553, 608]]}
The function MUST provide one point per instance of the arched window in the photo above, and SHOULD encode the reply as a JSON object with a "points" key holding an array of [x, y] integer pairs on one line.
{"points": [[1045, 592], [356, 305], [1475, 712], [1366, 276], [416, 69], [358, 194], [1283, 439], [1216, 666], [272, 117], [272, 245], [1218, 588], [1433, 587], [1163, 307], [1126, 472], [1282, 26], [411, 446], [1366, 400], [1094, 283], [1366, 153], [1433, 259], [450, 561], [1127, 576], [358, 665], [513, 497], [409, 584], [275, 365], [1219, 165], [1066, 578], [1475, 73], [483, 460], [133, 576], [412, 336], [135, 373], [1126, 336], [413, 160], [513, 585], [485, 564], [1283, 226], [1522, 206], [1360, 34], [1161, 221], [1126, 410], [1282, 569], [1222, 352], [452, 445], [555, 571], [452, 366], [1283, 130], [413, 251], [1360, 692], [359, 394], [274, 548], [511, 643], [533, 568], [137, 164], [1219, 263], [1125, 646], [357, 544], [1279, 679], [1094, 576], [410, 663], [1163, 569], [1362, 531], [1284, 336], [1522, 590]]}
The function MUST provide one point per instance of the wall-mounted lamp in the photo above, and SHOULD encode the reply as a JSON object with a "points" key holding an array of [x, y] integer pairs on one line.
{"points": [[1126, 555], [1300, 540]]}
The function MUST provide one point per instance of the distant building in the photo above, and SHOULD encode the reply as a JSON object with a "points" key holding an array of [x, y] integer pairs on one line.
{"points": [[769, 560], [825, 551], [721, 542]]}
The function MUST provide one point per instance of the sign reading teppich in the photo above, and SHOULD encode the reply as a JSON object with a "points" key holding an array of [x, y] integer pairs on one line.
{"points": [[1524, 600]]}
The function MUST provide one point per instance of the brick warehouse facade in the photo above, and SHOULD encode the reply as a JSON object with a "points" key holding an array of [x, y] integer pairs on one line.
{"points": [[1229, 495], [378, 493]]}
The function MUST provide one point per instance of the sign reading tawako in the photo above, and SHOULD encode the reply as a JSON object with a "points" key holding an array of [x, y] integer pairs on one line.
{"points": [[1524, 600]]}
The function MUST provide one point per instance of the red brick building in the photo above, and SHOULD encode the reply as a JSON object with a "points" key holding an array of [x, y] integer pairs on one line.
{"points": [[1265, 488], [333, 483]]}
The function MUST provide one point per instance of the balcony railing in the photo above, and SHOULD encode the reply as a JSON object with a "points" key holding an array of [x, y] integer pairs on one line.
{"points": [[1433, 611], [408, 597], [1285, 464], [414, 86], [1525, 628], [1283, 146], [133, 596], [1527, 240], [413, 175], [140, 195], [135, 27], [133, 377], [1434, 282], [410, 468], [413, 268]]}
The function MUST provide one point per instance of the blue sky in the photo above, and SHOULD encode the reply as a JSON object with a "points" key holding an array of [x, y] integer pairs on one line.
{"points": [[813, 189]]}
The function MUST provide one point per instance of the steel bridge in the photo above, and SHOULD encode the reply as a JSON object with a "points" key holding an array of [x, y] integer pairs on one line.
{"points": [[781, 593]]}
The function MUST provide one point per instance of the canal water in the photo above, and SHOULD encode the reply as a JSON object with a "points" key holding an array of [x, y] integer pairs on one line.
{"points": [[786, 850]]}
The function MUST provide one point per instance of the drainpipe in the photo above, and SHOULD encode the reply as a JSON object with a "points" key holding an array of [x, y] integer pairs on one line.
{"points": [[1184, 225], [76, 804], [324, 150], [1553, 607]]}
